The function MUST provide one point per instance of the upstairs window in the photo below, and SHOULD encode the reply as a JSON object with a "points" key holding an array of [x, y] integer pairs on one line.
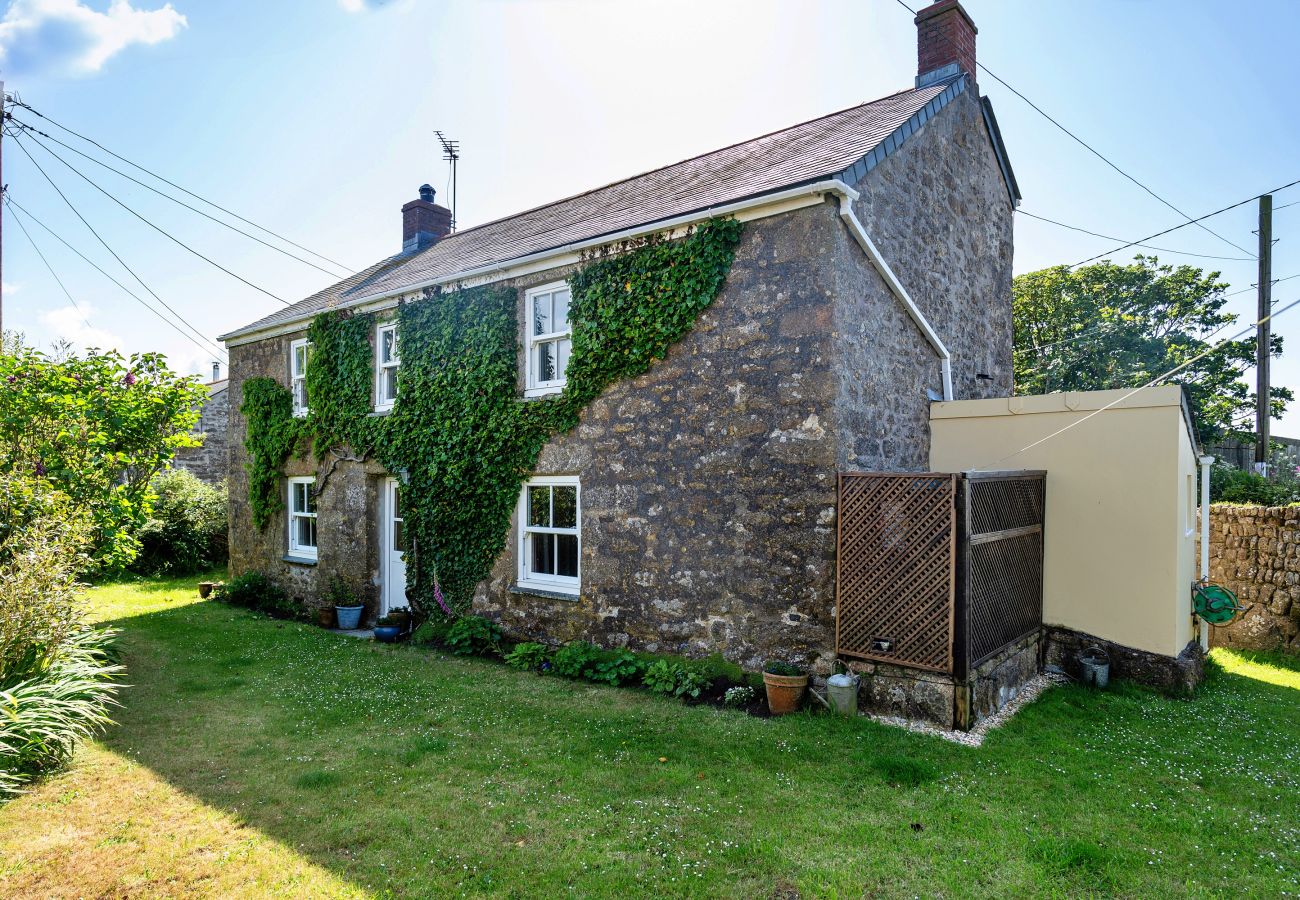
{"points": [[302, 518], [550, 534], [387, 362], [549, 338], [299, 353]]}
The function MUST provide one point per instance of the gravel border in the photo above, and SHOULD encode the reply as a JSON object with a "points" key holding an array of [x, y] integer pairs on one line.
{"points": [[1031, 691]]}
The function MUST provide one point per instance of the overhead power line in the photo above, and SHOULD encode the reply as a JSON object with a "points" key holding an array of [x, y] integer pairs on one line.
{"points": [[19, 139], [111, 251], [186, 191], [17, 208], [55, 275], [1134, 244], [149, 187]]}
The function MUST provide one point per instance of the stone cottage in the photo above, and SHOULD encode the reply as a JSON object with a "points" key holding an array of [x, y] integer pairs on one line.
{"points": [[210, 461], [693, 508]]}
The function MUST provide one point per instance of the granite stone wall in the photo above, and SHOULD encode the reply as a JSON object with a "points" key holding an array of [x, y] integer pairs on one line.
{"points": [[211, 461], [1255, 552]]}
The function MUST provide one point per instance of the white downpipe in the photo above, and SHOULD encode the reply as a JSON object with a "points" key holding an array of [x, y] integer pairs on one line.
{"points": [[896, 287], [1206, 462]]}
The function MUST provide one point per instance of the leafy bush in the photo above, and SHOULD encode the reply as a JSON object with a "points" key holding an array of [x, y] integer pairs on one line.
{"points": [[674, 679], [44, 714], [615, 667], [340, 593], [738, 697], [1229, 484], [574, 659], [56, 676], [473, 636], [432, 630], [255, 591], [529, 656], [186, 531], [782, 669]]}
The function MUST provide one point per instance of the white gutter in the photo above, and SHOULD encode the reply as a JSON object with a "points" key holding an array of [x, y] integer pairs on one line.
{"points": [[1206, 462], [864, 241]]}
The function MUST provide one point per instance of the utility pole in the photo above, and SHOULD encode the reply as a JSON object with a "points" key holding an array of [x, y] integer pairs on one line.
{"points": [[1263, 336]]}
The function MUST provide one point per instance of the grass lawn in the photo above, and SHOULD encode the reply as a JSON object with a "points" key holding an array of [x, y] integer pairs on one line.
{"points": [[255, 757]]}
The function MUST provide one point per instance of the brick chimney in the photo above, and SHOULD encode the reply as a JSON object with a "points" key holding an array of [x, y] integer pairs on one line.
{"points": [[945, 42], [424, 222]]}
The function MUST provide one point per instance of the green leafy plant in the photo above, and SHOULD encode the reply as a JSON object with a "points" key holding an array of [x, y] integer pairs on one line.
{"points": [[738, 697], [341, 593], [782, 669], [575, 659], [669, 677], [529, 656], [473, 636], [432, 630], [186, 529], [459, 431], [616, 667], [1229, 484], [255, 591]]}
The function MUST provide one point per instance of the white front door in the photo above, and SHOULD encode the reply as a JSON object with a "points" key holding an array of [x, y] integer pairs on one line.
{"points": [[392, 547]]}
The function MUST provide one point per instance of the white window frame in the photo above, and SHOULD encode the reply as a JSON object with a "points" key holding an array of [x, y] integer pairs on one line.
{"points": [[381, 403], [296, 377], [561, 584], [535, 387], [297, 550]]}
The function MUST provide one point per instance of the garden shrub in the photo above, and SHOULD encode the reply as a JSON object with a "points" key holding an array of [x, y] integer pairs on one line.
{"points": [[575, 659], [186, 530], [473, 636], [674, 679], [432, 630], [529, 656], [615, 667], [1229, 484], [56, 675], [255, 591]]}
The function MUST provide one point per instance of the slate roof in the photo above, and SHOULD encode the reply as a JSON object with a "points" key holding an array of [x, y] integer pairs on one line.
{"points": [[847, 143]]}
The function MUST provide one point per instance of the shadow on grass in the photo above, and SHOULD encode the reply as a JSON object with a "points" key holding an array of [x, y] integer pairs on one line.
{"points": [[398, 769]]}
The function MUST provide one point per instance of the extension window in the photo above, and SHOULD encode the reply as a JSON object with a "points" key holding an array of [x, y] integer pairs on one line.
{"points": [[550, 534]]}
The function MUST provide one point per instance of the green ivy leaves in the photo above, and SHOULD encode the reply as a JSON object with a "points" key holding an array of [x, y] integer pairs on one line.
{"points": [[459, 434]]}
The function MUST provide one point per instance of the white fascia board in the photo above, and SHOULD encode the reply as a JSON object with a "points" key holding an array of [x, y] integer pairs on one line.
{"points": [[760, 207]]}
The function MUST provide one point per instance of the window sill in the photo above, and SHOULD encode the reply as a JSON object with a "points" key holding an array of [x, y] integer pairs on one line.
{"points": [[549, 593], [300, 413], [299, 560], [543, 391], [380, 411]]}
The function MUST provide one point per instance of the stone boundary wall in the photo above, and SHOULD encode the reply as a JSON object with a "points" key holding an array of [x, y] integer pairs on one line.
{"points": [[1255, 553]]}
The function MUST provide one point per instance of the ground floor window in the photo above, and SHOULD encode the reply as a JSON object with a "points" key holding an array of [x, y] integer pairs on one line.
{"points": [[550, 533], [302, 517]]}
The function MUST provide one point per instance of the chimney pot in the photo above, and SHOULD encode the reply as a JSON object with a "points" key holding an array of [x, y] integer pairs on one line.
{"points": [[945, 42], [424, 222]]}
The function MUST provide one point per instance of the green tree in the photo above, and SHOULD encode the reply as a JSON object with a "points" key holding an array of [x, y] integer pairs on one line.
{"points": [[1109, 326], [98, 428]]}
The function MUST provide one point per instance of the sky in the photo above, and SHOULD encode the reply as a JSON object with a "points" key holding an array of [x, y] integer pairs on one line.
{"points": [[315, 119]]}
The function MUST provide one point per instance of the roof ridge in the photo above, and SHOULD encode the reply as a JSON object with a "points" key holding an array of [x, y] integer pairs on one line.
{"points": [[679, 162]]}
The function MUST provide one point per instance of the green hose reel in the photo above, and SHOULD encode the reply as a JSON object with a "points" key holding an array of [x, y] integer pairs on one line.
{"points": [[1216, 605]]}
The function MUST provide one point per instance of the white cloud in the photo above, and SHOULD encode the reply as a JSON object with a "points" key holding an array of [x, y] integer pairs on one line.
{"points": [[360, 6], [8, 287], [67, 323], [353, 6], [67, 36]]}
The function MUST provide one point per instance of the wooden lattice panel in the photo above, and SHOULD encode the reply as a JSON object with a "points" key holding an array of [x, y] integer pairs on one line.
{"points": [[895, 572]]}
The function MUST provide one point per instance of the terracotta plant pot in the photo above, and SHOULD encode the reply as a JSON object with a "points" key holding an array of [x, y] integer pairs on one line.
{"points": [[205, 588], [784, 692], [325, 617]]}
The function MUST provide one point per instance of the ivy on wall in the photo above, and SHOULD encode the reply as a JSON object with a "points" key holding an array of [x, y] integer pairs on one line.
{"points": [[460, 436]]}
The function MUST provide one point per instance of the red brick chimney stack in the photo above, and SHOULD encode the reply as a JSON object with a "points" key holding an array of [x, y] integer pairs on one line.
{"points": [[945, 37], [424, 222]]}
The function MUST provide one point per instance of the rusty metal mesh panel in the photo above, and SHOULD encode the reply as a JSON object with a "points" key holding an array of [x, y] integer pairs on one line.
{"points": [[1006, 593], [897, 547], [1001, 503]]}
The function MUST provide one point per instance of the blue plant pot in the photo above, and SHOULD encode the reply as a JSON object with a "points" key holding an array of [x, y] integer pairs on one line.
{"points": [[388, 633], [349, 616]]}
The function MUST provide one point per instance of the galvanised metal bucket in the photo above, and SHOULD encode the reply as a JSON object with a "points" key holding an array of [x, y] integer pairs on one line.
{"points": [[1095, 666]]}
